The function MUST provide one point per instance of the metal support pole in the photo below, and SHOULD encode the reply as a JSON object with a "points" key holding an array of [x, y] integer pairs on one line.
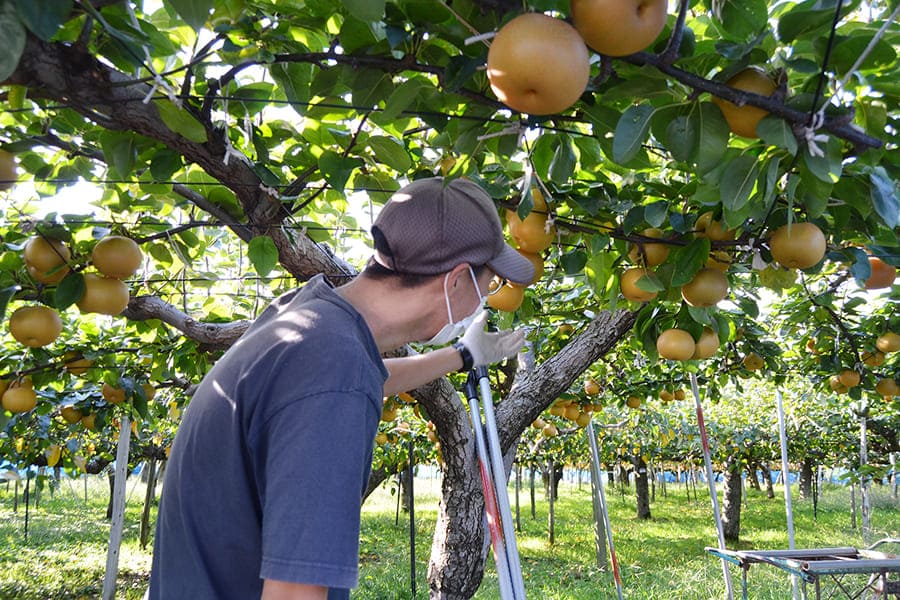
{"points": [[865, 511], [788, 507], [490, 503], [601, 499], [27, 499], [498, 470], [710, 476], [412, 519], [599, 529]]}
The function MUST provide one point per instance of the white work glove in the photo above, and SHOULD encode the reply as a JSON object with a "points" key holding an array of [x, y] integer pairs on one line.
{"points": [[488, 347]]}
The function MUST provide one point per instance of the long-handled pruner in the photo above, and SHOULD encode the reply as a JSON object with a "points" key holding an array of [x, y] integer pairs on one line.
{"points": [[493, 479]]}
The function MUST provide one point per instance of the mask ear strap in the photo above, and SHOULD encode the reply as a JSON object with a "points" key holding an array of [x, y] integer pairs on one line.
{"points": [[447, 299], [481, 298]]}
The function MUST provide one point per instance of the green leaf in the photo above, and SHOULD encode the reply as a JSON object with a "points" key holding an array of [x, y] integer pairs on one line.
{"points": [[252, 97], [804, 19], [682, 138], [365, 10], [44, 17], [139, 401], [164, 164], [542, 154], [316, 232], [688, 260], [599, 271], [69, 291], [655, 213], [713, 133], [460, 70], [294, 80], [390, 152], [884, 197], [263, 254], [563, 164], [631, 132], [119, 151], [337, 169], [573, 262], [181, 121], [6, 295], [776, 132], [650, 283], [828, 167], [814, 192], [738, 182], [744, 18], [861, 269], [369, 88], [403, 96], [194, 12], [848, 50], [12, 39]]}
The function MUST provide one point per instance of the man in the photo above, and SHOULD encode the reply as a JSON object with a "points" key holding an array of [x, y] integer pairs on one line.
{"points": [[263, 486]]}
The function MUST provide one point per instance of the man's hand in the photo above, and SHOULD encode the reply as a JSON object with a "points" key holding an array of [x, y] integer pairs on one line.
{"points": [[488, 347]]}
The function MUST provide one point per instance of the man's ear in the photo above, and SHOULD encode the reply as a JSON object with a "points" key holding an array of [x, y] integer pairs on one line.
{"points": [[455, 274]]}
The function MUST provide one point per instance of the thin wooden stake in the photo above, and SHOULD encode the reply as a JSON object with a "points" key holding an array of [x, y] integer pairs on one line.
{"points": [[117, 522]]}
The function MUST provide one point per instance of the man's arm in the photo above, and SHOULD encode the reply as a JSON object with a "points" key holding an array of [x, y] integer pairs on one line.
{"points": [[283, 590], [409, 372], [485, 348]]}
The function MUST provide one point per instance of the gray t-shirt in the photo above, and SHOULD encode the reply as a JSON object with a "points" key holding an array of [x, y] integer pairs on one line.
{"points": [[267, 471]]}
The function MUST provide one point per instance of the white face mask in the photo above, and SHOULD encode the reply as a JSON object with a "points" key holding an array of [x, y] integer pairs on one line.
{"points": [[451, 330]]}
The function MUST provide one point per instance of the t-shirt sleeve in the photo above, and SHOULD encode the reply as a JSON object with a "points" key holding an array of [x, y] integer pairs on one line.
{"points": [[314, 458]]}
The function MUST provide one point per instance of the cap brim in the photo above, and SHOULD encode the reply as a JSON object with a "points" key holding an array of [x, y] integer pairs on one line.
{"points": [[511, 265]]}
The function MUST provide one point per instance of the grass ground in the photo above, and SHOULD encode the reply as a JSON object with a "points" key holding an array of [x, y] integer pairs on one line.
{"points": [[662, 558]]}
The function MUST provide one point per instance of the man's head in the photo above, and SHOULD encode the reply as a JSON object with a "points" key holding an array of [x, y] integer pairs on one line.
{"points": [[433, 225]]}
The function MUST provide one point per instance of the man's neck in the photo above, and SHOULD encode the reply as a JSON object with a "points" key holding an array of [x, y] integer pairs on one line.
{"points": [[394, 315]]}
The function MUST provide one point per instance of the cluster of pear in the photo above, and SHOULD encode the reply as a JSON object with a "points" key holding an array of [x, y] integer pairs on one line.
{"points": [[531, 236], [793, 246], [48, 261], [887, 387], [540, 65]]}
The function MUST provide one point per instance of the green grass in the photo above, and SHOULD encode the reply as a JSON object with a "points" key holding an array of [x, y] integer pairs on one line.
{"points": [[662, 558], [65, 555]]}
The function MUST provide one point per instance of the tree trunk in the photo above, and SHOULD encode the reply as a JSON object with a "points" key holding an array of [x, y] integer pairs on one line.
{"points": [[622, 474], [531, 489], [767, 476], [557, 476], [806, 478], [731, 500], [150, 473], [641, 487], [405, 496], [552, 495], [753, 476], [459, 546]]}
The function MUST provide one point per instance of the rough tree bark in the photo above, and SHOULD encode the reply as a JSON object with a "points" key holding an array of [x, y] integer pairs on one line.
{"points": [[807, 469], [731, 500], [641, 487], [551, 484], [767, 477], [752, 476]]}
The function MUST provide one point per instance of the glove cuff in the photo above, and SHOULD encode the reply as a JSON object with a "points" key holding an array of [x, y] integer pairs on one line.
{"points": [[466, 356]]}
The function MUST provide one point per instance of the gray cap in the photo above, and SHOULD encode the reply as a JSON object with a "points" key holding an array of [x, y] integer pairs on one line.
{"points": [[433, 225]]}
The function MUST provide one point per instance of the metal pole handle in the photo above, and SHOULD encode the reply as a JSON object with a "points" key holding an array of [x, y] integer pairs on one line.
{"points": [[498, 469], [490, 503]]}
